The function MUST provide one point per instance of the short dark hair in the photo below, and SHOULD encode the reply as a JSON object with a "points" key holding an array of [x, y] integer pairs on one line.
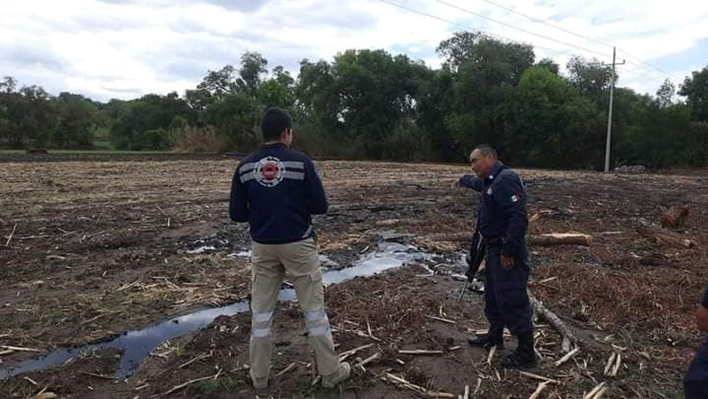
{"points": [[486, 150], [275, 120]]}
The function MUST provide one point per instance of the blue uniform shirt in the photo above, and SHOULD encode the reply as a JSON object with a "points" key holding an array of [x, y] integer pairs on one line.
{"points": [[502, 210], [277, 190], [696, 382]]}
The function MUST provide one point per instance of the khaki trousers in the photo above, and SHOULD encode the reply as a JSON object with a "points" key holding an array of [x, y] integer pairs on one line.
{"points": [[301, 260]]}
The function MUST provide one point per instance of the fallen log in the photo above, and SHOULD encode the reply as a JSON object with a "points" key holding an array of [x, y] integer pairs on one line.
{"points": [[492, 352], [567, 357], [539, 377], [597, 392], [534, 240], [406, 384], [200, 357], [286, 370], [537, 393], [538, 215], [190, 382], [666, 237], [350, 352], [441, 319], [610, 363], [674, 216], [11, 234], [420, 352], [20, 349], [555, 322], [560, 239], [368, 360]]}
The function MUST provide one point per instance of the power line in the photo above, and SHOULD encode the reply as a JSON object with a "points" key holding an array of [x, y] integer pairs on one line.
{"points": [[464, 26], [553, 51], [521, 29], [640, 71], [540, 21], [647, 65]]}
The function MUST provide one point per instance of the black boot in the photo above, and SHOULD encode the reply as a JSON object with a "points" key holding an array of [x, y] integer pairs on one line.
{"points": [[524, 356], [493, 338]]}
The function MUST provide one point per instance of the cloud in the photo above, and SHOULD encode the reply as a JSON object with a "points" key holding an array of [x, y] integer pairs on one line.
{"points": [[126, 48]]}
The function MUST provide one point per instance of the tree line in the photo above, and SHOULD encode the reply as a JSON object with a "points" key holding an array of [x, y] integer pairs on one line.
{"points": [[375, 105]]}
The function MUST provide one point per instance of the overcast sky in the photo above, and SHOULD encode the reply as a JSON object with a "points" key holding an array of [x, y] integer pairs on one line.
{"points": [[125, 48]]}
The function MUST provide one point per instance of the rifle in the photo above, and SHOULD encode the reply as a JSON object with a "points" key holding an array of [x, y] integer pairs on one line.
{"points": [[477, 251]]}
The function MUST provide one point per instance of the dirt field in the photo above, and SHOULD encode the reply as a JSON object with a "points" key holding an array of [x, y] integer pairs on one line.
{"points": [[95, 249]]}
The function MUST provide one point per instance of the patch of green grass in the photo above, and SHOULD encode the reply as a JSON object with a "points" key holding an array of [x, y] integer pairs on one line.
{"points": [[179, 350]]}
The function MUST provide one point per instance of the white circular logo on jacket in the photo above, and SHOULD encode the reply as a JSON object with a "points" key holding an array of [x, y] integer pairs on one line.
{"points": [[269, 171]]}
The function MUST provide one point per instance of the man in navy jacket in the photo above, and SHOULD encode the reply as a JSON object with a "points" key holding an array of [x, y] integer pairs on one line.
{"points": [[696, 382], [276, 190], [502, 221]]}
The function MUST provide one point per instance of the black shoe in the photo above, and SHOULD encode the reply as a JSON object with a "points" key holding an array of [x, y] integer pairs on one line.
{"points": [[523, 357], [493, 338]]}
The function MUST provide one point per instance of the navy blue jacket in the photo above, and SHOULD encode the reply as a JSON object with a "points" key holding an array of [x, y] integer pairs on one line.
{"points": [[276, 190], [696, 382], [502, 211]]}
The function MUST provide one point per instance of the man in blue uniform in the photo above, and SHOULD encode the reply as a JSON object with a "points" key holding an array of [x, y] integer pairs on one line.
{"points": [[502, 221], [696, 382], [277, 190]]}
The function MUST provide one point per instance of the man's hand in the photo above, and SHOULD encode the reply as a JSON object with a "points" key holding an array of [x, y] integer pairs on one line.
{"points": [[457, 184], [507, 262]]}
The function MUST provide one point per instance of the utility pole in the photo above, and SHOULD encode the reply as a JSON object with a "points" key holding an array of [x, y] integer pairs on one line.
{"points": [[609, 113]]}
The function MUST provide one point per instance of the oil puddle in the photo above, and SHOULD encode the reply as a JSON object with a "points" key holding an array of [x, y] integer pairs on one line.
{"points": [[138, 344], [388, 256], [201, 250]]}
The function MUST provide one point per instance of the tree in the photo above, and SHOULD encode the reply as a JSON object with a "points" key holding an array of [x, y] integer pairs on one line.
{"points": [[359, 101], [667, 135], [278, 91], [218, 83], [8, 85], [236, 118], [630, 113], [500, 63], [317, 93], [317, 109], [550, 65], [432, 103], [484, 73], [282, 76], [198, 99], [376, 93], [550, 123], [26, 116], [590, 77], [695, 89], [76, 121], [665, 94], [132, 119], [253, 66]]}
